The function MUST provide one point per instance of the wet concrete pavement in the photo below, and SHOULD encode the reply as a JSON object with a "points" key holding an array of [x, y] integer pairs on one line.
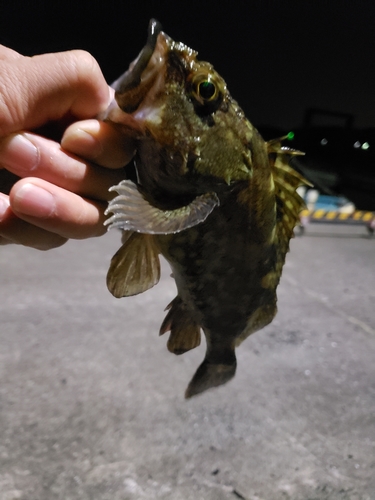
{"points": [[91, 401]]}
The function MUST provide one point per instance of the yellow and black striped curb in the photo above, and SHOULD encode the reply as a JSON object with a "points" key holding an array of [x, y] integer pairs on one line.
{"points": [[358, 216]]}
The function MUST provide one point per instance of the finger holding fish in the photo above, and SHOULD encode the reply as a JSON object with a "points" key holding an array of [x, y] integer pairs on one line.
{"points": [[58, 192], [14, 230], [30, 155], [106, 144], [46, 206], [42, 95]]}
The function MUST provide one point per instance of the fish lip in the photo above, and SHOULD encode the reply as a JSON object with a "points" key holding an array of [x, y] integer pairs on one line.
{"points": [[133, 85], [132, 77]]}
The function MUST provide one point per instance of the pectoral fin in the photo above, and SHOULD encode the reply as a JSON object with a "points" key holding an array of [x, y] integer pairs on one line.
{"points": [[135, 267], [132, 212]]}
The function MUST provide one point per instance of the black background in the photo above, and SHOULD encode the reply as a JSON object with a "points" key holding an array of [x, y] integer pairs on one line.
{"points": [[278, 58]]}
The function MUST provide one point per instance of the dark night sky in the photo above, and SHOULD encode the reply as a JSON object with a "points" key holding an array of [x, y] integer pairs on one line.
{"points": [[278, 57]]}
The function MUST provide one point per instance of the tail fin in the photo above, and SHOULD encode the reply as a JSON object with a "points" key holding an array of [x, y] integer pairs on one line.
{"points": [[210, 375]]}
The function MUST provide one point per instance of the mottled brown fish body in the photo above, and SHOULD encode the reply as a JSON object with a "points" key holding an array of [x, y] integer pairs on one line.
{"points": [[212, 197], [221, 285]]}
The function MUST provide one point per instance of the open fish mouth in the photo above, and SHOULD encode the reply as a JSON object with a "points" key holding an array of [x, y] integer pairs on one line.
{"points": [[132, 87]]}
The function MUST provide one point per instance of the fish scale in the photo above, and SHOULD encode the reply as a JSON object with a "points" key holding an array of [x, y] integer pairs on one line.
{"points": [[212, 197]]}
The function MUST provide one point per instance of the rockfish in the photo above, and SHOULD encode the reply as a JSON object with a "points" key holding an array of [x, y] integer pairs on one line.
{"points": [[211, 196]]}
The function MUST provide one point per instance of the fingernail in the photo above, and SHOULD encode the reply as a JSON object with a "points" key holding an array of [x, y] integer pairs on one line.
{"points": [[4, 206], [34, 201], [83, 141], [18, 154]]}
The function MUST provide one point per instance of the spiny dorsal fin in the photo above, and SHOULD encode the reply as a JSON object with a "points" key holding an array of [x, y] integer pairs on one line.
{"points": [[276, 146], [185, 332], [135, 267], [288, 202]]}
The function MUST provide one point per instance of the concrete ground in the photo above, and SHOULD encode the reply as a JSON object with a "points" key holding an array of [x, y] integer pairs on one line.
{"points": [[91, 401]]}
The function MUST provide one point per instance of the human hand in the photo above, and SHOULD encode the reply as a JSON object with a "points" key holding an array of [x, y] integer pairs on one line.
{"points": [[59, 195]]}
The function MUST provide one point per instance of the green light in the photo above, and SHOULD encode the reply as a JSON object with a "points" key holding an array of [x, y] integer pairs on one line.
{"points": [[365, 145], [290, 136]]}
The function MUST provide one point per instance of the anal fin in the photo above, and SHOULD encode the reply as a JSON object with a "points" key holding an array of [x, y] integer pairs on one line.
{"points": [[185, 332], [135, 267]]}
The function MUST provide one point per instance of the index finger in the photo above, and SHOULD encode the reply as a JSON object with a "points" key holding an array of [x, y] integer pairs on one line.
{"points": [[48, 87]]}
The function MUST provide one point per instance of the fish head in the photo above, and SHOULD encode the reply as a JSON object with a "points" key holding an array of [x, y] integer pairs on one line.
{"points": [[185, 114]]}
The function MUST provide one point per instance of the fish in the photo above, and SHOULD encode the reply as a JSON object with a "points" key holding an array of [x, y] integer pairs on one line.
{"points": [[209, 195]]}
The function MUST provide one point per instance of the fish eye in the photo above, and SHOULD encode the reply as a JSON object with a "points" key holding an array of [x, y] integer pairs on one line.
{"points": [[207, 90]]}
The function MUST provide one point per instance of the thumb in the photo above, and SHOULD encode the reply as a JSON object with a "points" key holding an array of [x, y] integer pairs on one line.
{"points": [[48, 87]]}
